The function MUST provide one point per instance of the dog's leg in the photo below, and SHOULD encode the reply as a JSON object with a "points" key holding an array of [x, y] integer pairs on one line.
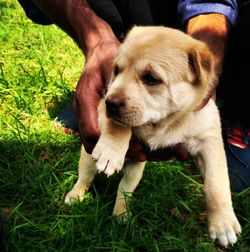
{"points": [[86, 174], [223, 224], [132, 175], [110, 150]]}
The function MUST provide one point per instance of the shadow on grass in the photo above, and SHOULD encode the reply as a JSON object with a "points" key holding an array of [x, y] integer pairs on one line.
{"points": [[27, 169], [34, 179], [35, 176]]}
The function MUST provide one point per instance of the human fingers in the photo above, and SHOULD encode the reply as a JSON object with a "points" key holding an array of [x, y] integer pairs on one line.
{"points": [[86, 102]]}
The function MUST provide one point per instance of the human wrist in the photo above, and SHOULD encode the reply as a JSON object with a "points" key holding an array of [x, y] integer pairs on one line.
{"points": [[103, 34]]}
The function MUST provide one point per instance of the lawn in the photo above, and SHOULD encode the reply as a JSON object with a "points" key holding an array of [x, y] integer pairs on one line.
{"points": [[39, 68]]}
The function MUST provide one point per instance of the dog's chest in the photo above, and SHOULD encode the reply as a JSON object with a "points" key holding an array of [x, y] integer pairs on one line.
{"points": [[160, 137]]}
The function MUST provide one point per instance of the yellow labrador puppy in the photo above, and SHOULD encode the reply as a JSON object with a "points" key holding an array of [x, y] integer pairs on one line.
{"points": [[160, 77]]}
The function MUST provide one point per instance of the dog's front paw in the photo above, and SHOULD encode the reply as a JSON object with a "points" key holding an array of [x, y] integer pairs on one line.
{"points": [[108, 158], [75, 195], [224, 226], [120, 210]]}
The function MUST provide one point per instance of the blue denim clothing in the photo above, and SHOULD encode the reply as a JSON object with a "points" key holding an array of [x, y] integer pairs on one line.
{"points": [[191, 8], [237, 147]]}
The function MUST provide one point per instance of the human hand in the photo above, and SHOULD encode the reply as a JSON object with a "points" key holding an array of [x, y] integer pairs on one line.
{"points": [[91, 87], [140, 152]]}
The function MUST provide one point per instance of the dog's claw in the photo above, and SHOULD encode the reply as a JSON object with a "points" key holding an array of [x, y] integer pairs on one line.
{"points": [[225, 228], [108, 159], [75, 195]]}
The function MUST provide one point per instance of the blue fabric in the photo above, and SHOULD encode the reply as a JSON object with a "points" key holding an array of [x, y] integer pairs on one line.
{"points": [[238, 161], [68, 118], [191, 8]]}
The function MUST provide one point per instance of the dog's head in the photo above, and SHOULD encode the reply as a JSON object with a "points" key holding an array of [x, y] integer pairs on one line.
{"points": [[159, 73]]}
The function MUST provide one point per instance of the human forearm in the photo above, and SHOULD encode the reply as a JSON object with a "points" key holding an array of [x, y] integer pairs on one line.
{"points": [[78, 20], [213, 29]]}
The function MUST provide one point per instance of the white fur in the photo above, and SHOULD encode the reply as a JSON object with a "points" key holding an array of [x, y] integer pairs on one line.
{"points": [[163, 115]]}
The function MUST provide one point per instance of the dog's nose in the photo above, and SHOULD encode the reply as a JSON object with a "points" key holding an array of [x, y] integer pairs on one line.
{"points": [[114, 106]]}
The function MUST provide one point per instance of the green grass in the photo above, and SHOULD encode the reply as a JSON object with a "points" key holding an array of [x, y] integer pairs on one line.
{"points": [[39, 68]]}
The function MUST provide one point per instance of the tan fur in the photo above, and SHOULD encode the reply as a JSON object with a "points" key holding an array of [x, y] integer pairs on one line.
{"points": [[162, 115]]}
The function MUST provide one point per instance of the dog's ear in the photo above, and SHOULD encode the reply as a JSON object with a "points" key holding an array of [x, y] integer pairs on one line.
{"points": [[201, 64]]}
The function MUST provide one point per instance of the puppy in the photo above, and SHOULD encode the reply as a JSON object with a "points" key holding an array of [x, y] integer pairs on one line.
{"points": [[160, 77]]}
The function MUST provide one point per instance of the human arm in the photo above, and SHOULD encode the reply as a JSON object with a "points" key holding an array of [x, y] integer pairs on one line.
{"points": [[210, 22], [99, 45], [213, 29]]}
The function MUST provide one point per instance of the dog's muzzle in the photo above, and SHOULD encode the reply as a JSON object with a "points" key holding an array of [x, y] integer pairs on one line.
{"points": [[114, 107]]}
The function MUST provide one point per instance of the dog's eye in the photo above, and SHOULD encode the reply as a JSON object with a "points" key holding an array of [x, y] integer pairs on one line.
{"points": [[116, 70], [150, 79]]}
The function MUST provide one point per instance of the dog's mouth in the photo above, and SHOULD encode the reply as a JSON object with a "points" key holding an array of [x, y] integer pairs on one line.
{"points": [[124, 119], [118, 119], [131, 120], [120, 122]]}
